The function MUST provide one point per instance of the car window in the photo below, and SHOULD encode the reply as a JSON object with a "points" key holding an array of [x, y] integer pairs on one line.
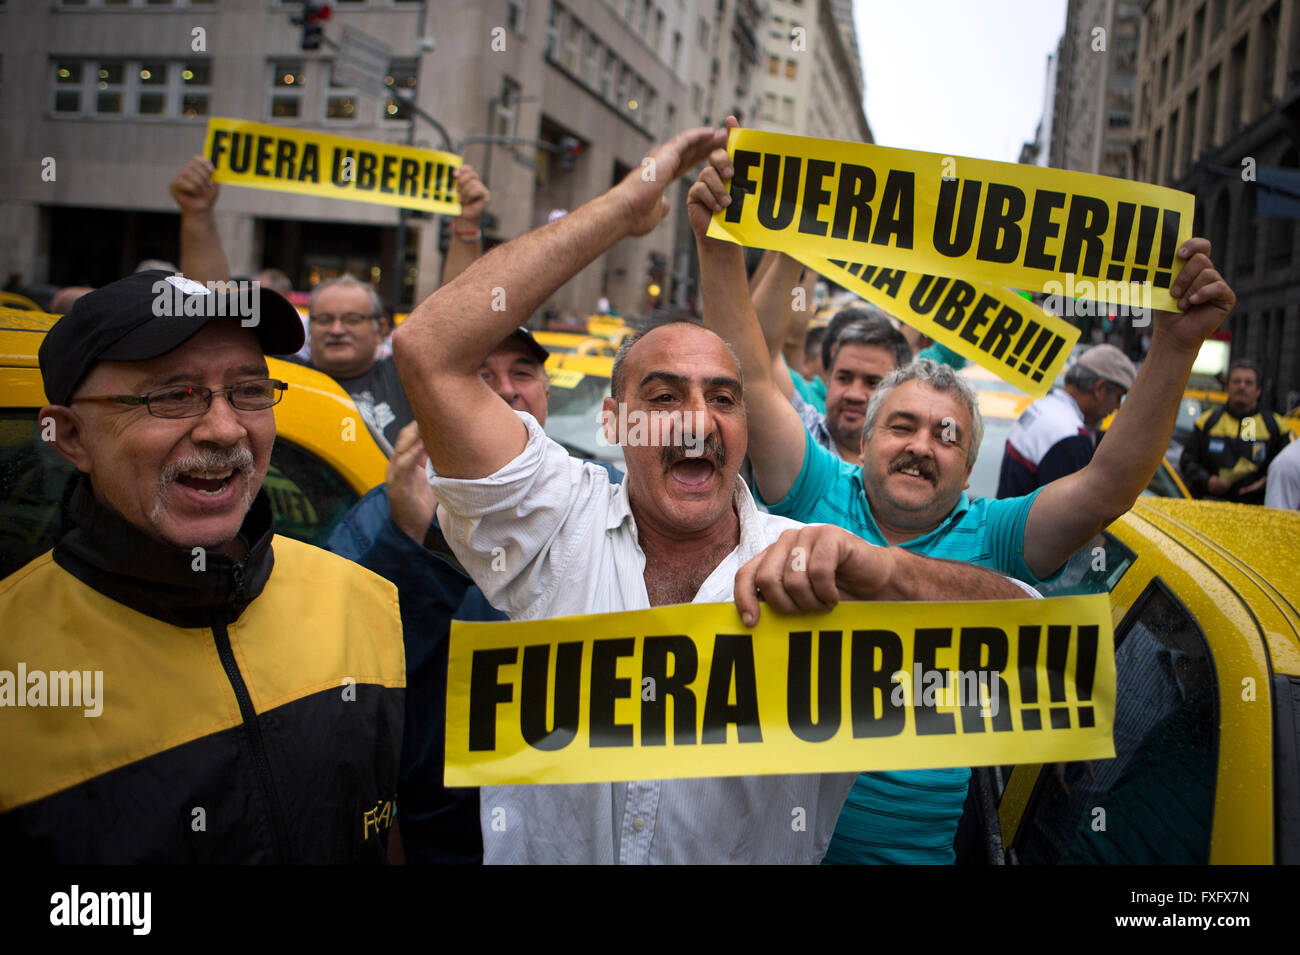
{"points": [[1152, 803], [1095, 568], [307, 495], [35, 480], [1162, 485]]}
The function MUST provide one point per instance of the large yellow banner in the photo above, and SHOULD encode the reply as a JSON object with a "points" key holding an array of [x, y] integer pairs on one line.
{"points": [[304, 161], [688, 691], [1004, 224]]}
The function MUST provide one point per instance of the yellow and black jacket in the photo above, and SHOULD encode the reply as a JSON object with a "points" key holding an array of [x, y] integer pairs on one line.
{"points": [[249, 711], [1236, 450]]}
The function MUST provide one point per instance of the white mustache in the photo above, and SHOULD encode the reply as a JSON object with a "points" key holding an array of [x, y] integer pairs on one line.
{"points": [[237, 458]]}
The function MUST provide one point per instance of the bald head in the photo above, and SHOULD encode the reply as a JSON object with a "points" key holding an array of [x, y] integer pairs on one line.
{"points": [[661, 343]]}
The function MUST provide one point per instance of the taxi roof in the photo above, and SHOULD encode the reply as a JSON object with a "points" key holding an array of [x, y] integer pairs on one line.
{"points": [[21, 333], [1242, 542]]}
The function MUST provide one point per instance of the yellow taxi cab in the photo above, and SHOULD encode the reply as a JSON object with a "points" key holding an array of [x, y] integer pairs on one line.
{"points": [[609, 327], [1205, 602], [21, 302], [579, 386], [573, 343], [323, 460]]}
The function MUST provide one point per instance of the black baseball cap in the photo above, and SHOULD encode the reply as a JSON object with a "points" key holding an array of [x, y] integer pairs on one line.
{"points": [[535, 348], [151, 313]]}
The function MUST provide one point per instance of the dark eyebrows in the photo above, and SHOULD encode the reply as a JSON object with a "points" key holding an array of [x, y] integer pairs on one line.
{"points": [[666, 377], [680, 381]]}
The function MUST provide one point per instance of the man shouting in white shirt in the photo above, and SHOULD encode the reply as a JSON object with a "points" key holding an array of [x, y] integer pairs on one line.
{"points": [[544, 534]]}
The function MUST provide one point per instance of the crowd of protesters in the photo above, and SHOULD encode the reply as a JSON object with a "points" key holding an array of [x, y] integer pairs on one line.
{"points": [[268, 676]]}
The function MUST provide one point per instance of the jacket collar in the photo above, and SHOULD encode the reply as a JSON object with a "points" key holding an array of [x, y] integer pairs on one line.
{"points": [[111, 555]]}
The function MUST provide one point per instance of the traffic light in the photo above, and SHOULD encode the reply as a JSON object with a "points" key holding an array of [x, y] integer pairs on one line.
{"points": [[313, 15], [570, 149]]}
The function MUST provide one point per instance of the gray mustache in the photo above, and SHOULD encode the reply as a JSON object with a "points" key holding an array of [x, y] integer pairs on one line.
{"points": [[238, 458]]}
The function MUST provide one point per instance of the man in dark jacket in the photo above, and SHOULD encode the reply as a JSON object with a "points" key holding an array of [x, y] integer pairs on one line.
{"points": [[177, 684], [1230, 448]]}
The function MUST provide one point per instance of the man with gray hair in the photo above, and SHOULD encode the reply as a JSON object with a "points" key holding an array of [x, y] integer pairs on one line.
{"points": [[920, 438], [344, 322], [1057, 434]]}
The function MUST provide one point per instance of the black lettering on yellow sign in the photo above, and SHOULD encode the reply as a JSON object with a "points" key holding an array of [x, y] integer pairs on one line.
{"points": [[286, 160], [679, 692], [1003, 330], [992, 222], [874, 703]]}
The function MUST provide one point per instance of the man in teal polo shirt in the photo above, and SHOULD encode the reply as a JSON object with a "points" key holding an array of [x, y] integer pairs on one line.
{"points": [[921, 437]]}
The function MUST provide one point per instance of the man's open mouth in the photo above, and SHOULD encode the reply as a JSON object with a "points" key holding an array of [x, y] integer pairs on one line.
{"points": [[693, 472], [206, 482]]}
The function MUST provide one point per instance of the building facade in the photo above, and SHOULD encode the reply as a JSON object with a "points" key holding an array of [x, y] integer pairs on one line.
{"points": [[117, 93], [1219, 107], [1091, 119]]}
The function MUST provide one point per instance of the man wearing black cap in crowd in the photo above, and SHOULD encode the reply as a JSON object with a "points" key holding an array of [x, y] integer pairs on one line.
{"points": [[185, 693]]}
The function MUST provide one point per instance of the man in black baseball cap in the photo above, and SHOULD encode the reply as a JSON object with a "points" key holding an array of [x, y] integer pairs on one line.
{"points": [[220, 734]]}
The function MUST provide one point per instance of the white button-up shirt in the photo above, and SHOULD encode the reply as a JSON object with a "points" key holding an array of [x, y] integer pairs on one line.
{"points": [[549, 536]]}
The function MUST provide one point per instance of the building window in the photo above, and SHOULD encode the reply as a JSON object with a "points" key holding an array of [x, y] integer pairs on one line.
{"points": [[677, 49], [1180, 50], [1164, 78], [1198, 31], [504, 109], [787, 110], [670, 120], [773, 65], [400, 79], [1220, 15], [659, 31], [287, 81], [516, 10], [342, 100], [789, 69], [1171, 153], [591, 61], [554, 27], [67, 86], [769, 107], [1192, 148], [1237, 85], [154, 88], [607, 76], [1267, 48], [702, 33], [1211, 125], [573, 43]]}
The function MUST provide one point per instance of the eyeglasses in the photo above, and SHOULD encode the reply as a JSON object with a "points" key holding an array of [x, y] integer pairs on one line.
{"points": [[190, 401], [349, 319]]}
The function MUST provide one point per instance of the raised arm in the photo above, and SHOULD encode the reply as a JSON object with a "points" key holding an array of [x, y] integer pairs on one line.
{"points": [[1072, 510], [772, 297], [194, 191], [468, 431], [776, 435], [466, 243], [810, 569]]}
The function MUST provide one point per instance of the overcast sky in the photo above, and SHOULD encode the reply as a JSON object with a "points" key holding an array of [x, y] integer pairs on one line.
{"points": [[958, 77]]}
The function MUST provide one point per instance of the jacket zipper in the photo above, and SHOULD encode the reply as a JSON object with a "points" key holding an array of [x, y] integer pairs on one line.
{"points": [[262, 764]]}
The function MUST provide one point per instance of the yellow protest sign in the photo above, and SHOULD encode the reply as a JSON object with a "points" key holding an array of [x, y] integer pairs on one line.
{"points": [[1011, 337], [304, 161], [1004, 224], [687, 691]]}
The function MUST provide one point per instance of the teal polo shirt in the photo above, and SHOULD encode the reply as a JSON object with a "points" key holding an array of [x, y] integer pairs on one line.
{"points": [[813, 392], [987, 532], [907, 817]]}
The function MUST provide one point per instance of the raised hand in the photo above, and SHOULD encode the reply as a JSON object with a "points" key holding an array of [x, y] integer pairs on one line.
{"points": [[641, 192], [710, 194], [193, 188], [474, 194], [1202, 293]]}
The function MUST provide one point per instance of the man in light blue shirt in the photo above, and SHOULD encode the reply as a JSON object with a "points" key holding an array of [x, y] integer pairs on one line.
{"points": [[921, 436]]}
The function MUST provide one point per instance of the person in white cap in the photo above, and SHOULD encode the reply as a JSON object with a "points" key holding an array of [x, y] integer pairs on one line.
{"points": [[1057, 434]]}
